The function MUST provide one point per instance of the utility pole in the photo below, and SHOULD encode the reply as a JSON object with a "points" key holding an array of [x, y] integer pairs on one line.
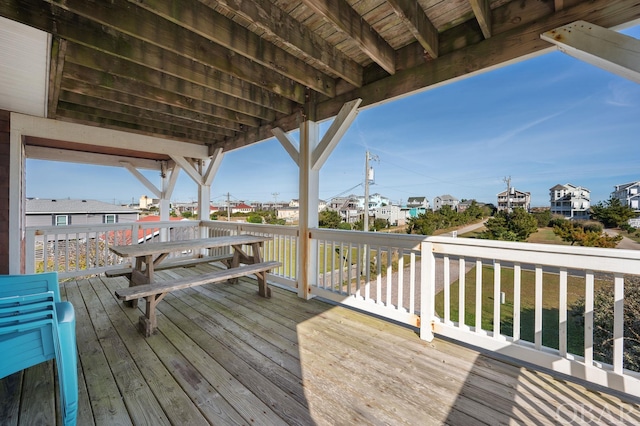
{"points": [[275, 200], [228, 207], [507, 180], [367, 180]]}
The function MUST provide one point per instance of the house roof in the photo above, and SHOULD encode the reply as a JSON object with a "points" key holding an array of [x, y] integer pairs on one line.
{"points": [[44, 206], [224, 74], [242, 206]]}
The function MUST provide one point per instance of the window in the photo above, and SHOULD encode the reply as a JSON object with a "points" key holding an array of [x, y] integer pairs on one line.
{"points": [[62, 220], [109, 218]]}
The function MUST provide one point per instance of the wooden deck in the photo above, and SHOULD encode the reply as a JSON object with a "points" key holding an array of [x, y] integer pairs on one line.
{"points": [[224, 355]]}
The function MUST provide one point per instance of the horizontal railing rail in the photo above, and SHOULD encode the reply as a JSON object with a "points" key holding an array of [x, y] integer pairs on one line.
{"points": [[282, 246]]}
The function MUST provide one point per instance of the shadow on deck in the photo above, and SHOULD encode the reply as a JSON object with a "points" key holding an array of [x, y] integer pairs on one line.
{"points": [[224, 355]]}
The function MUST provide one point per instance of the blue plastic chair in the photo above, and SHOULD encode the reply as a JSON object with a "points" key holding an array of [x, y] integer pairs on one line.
{"points": [[36, 326]]}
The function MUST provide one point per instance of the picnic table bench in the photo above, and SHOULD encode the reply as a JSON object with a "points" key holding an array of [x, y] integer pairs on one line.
{"points": [[149, 257]]}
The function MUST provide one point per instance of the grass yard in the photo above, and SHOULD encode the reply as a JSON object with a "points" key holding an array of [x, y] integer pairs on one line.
{"points": [[546, 236], [550, 311]]}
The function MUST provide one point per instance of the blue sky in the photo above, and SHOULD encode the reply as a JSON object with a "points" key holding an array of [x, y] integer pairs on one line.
{"points": [[549, 120]]}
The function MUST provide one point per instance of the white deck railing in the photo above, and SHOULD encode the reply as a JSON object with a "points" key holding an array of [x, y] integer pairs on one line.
{"points": [[82, 250], [490, 294], [518, 305]]}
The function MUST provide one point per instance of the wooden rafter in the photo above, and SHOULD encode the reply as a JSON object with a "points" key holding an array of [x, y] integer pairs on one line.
{"points": [[295, 35], [411, 13], [482, 10], [344, 17]]}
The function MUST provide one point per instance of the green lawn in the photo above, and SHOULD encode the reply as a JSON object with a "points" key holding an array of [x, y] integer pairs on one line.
{"points": [[550, 311]]}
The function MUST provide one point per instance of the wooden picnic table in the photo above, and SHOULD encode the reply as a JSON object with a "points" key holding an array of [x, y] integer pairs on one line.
{"points": [[148, 256]]}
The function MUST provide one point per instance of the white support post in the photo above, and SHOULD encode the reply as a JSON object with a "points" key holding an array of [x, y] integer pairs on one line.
{"points": [[202, 173], [16, 200], [309, 196], [604, 48], [310, 156]]}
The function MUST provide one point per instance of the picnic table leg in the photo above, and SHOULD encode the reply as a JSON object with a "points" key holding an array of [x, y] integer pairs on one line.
{"points": [[148, 322], [263, 288], [142, 273]]}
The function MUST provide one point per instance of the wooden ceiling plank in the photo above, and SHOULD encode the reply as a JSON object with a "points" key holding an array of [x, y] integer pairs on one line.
{"points": [[66, 24], [344, 17], [206, 22], [414, 18], [235, 94], [158, 118], [271, 19], [86, 89], [123, 85], [279, 69], [482, 10]]}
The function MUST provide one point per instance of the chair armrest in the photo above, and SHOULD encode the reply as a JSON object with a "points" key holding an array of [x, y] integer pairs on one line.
{"points": [[65, 312]]}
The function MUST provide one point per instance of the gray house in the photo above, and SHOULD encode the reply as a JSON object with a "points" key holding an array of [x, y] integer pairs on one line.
{"points": [[48, 212], [445, 200]]}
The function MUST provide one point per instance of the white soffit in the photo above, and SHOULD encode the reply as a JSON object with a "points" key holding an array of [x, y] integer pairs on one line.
{"points": [[24, 68]]}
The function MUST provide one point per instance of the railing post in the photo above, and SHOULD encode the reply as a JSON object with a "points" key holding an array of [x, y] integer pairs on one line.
{"points": [[30, 252], [427, 290]]}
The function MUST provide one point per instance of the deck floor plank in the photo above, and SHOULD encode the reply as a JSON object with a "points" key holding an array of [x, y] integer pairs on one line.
{"points": [[227, 382], [10, 393], [280, 401], [172, 345], [104, 399], [224, 355], [174, 402], [141, 403], [38, 405], [281, 370]]}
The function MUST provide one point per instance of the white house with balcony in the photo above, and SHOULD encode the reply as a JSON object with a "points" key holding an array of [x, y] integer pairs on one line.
{"points": [[570, 201], [512, 198], [629, 195]]}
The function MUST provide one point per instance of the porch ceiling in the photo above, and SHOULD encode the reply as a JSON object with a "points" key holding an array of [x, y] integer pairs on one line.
{"points": [[224, 73]]}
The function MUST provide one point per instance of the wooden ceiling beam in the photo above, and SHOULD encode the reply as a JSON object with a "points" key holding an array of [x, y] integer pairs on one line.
{"points": [[414, 18], [198, 81], [342, 16], [132, 87], [482, 10], [601, 47], [196, 18], [157, 126], [58, 54], [152, 118], [179, 134], [276, 23], [86, 89]]}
